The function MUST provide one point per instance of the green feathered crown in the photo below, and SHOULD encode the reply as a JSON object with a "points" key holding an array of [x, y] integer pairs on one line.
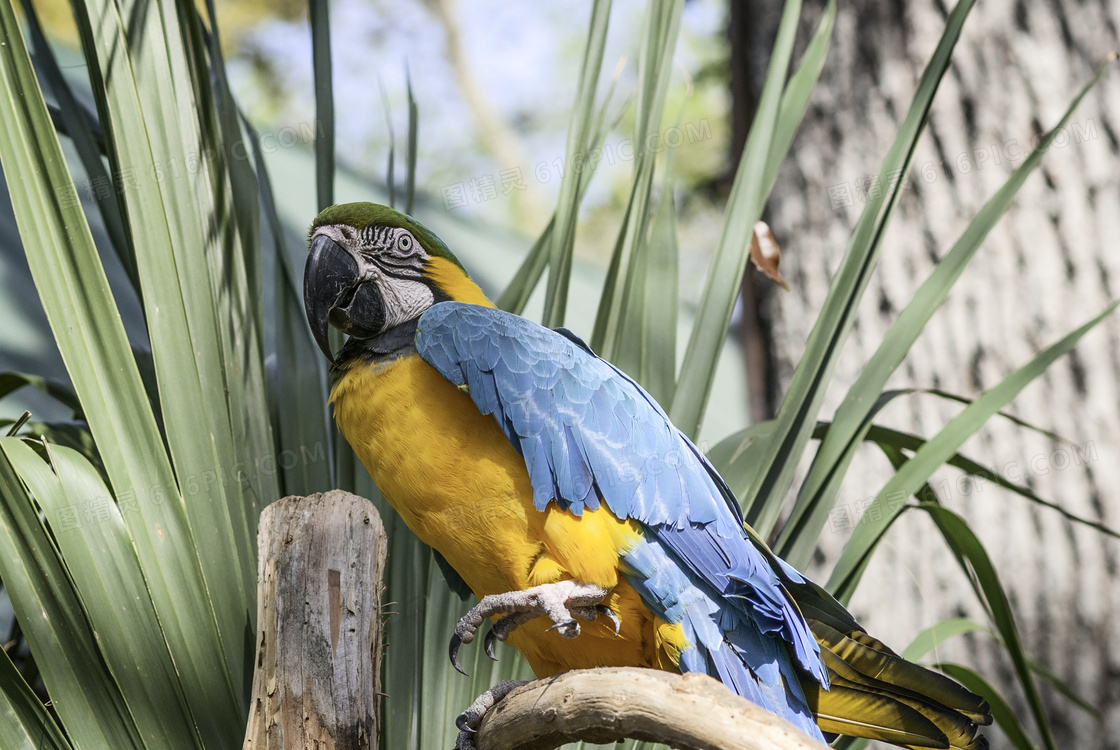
{"points": [[363, 215]]}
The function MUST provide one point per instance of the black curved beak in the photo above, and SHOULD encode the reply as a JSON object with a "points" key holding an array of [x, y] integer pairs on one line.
{"points": [[330, 279]]}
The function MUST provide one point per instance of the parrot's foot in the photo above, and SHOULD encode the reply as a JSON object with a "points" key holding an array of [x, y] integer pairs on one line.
{"points": [[561, 602], [468, 720]]}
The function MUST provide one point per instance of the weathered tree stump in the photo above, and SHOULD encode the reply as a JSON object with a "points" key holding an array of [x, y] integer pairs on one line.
{"points": [[317, 676], [687, 712]]}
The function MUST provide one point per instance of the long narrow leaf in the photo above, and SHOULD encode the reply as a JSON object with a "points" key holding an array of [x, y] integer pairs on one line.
{"points": [[780, 110], [413, 139], [978, 569], [99, 557], [802, 403], [70, 279], [78, 127], [898, 439], [84, 695], [562, 239], [933, 636], [13, 381], [795, 98], [940, 449], [964, 543], [836, 451], [516, 295], [628, 263], [324, 101], [25, 723], [149, 117], [302, 424], [1001, 711]]}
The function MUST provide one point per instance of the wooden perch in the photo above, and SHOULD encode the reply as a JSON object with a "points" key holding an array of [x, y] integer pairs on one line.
{"points": [[687, 712], [317, 677]]}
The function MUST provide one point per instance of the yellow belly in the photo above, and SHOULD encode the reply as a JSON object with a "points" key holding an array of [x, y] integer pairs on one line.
{"points": [[462, 488]]}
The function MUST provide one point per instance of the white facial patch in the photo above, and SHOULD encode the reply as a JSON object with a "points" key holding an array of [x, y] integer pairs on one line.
{"points": [[404, 300]]}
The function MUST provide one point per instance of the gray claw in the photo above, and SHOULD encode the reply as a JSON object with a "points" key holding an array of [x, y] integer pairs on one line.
{"points": [[561, 602], [453, 652], [468, 721], [488, 642], [568, 628], [610, 615]]}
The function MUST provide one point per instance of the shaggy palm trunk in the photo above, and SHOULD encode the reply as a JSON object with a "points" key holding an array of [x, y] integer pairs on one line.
{"points": [[1051, 264]]}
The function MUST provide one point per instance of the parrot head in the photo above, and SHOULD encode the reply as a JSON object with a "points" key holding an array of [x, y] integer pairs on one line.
{"points": [[372, 268]]}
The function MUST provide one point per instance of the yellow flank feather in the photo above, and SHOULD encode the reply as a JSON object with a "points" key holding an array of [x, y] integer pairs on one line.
{"points": [[462, 488]]}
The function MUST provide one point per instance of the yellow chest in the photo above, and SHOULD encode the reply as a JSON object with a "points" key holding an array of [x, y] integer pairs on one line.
{"points": [[448, 470], [461, 487]]}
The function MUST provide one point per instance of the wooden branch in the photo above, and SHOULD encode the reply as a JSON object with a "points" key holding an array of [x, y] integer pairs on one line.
{"points": [[687, 712], [317, 678]]}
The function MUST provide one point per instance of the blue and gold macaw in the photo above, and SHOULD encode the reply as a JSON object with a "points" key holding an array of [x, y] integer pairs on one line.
{"points": [[555, 489]]}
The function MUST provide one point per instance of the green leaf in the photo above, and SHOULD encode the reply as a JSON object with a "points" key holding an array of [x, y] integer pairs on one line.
{"points": [[836, 451], [324, 100], [933, 636], [972, 555], [235, 275], [150, 116], [87, 327], [60, 392], [78, 128], [629, 263], [15, 425], [298, 380], [89, 532], [939, 449], [73, 435], [1001, 711], [795, 98], [736, 457], [1009, 417], [562, 238], [82, 691], [25, 723], [981, 574], [390, 180], [648, 349], [413, 134], [780, 110], [516, 295], [802, 402], [903, 440]]}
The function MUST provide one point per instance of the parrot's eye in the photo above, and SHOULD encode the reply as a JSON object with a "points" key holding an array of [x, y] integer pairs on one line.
{"points": [[404, 243]]}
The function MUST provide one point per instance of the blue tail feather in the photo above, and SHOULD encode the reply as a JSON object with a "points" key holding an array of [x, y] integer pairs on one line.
{"points": [[728, 640]]}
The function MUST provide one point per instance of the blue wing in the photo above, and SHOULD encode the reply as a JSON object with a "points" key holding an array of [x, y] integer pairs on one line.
{"points": [[590, 434]]}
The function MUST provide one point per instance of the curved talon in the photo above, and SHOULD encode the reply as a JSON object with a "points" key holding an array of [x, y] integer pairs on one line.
{"points": [[568, 628], [462, 723], [453, 652], [488, 642], [610, 615]]}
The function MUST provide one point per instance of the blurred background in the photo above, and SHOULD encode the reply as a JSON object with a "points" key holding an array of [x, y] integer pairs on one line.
{"points": [[494, 81]]}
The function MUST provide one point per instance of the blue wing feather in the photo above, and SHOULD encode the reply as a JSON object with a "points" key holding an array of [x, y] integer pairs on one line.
{"points": [[587, 431]]}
